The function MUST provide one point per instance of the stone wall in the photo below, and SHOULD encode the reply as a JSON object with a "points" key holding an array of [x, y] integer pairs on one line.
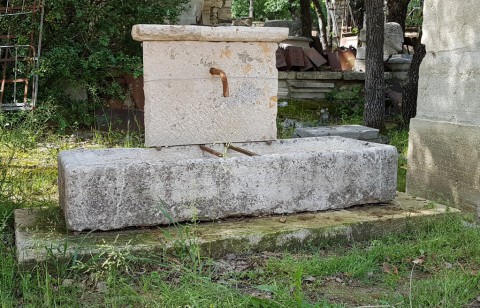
{"points": [[216, 11], [316, 85], [444, 146]]}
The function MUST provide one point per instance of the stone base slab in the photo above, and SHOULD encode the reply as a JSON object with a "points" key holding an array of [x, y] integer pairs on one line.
{"points": [[40, 233], [118, 188], [444, 162]]}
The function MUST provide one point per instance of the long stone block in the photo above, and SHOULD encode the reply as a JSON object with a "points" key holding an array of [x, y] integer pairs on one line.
{"points": [[117, 188]]}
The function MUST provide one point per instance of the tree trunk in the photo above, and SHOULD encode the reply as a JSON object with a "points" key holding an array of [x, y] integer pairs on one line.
{"points": [[329, 27], [250, 9], [306, 18], [293, 10], [322, 24], [397, 12], [334, 35], [374, 114], [410, 90], [358, 10]]}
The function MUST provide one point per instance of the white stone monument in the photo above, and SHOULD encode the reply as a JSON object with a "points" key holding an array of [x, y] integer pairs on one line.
{"points": [[444, 146]]}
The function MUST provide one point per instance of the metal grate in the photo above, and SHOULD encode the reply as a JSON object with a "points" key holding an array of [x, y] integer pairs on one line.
{"points": [[21, 24]]}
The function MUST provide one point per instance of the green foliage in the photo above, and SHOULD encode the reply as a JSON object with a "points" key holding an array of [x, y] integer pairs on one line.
{"points": [[264, 9], [87, 44], [399, 139], [415, 13], [349, 105]]}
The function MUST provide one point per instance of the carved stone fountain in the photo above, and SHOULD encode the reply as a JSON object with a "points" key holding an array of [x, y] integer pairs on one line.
{"points": [[210, 120]]}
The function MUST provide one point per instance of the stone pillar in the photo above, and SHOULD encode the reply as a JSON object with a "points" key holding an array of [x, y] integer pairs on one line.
{"points": [[444, 145]]}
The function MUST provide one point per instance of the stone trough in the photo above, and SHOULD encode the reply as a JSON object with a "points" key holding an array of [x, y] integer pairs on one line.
{"points": [[117, 188]]}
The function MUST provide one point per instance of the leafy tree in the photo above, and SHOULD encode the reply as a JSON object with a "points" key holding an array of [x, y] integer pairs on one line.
{"points": [[320, 9], [397, 11], [264, 9], [88, 42], [306, 18], [410, 89]]}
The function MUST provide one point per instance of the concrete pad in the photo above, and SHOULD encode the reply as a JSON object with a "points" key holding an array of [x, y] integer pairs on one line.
{"points": [[444, 162], [348, 131], [117, 188], [40, 233]]}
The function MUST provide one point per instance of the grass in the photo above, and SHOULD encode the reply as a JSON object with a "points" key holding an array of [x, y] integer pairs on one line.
{"points": [[399, 139], [443, 254]]}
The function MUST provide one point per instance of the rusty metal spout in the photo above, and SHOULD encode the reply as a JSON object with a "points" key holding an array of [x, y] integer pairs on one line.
{"points": [[223, 76]]}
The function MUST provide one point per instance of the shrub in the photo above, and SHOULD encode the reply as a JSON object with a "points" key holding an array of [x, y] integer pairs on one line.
{"points": [[87, 43]]}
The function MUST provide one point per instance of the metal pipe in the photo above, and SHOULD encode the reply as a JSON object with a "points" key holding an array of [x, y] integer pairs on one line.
{"points": [[223, 76], [211, 151], [240, 150]]}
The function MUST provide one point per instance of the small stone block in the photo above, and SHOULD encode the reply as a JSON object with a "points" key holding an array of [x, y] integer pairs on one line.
{"points": [[347, 131]]}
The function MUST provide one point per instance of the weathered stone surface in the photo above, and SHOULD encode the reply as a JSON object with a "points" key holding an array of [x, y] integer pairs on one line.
{"points": [[208, 34], [319, 75], [393, 40], [297, 41], [451, 25], [184, 103], [359, 66], [287, 75], [393, 43], [444, 146], [37, 232], [117, 188], [399, 63], [192, 13], [448, 87], [348, 131], [444, 162], [352, 75], [361, 53], [362, 36], [225, 14], [294, 27]]}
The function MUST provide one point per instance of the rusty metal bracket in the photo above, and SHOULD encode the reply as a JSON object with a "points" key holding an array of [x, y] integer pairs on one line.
{"points": [[211, 151], [223, 76], [241, 150]]}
